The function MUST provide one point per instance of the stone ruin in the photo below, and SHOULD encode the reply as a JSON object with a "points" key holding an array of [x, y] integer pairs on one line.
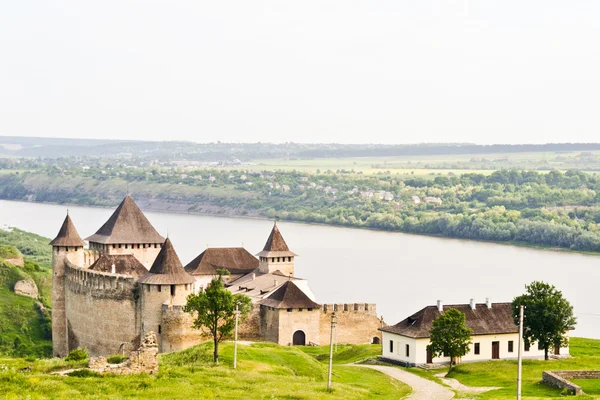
{"points": [[142, 360]]}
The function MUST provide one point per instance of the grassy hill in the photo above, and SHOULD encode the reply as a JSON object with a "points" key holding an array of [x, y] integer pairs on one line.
{"points": [[25, 325], [265, 371]]}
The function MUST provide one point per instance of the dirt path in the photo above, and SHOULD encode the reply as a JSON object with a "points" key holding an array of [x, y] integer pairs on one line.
{"points": [[456, 385], [423, 389]]}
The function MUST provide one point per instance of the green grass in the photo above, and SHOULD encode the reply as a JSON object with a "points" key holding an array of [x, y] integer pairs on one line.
{"points": [[23, 329], [345, 354], [265, 371], [585, 352], [589, 386]]}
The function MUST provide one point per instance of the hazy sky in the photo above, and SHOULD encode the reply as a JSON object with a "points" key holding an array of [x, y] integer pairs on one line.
{"points": [[386, 71]]}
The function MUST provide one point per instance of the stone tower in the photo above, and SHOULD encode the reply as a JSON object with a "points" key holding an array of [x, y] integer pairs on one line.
{"points": [[127, 231], [276, 256], [66, 247], [164, 287]]}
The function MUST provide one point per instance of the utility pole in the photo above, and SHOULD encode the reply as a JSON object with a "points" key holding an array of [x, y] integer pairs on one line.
{"points": [[235, 335], [333, 323], [520, 368]]}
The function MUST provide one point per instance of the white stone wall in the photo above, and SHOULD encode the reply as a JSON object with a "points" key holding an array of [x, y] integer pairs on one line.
{"points": [[418, 349]]}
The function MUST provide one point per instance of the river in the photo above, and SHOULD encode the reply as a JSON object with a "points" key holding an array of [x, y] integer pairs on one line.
{"points": [[400, 272]]}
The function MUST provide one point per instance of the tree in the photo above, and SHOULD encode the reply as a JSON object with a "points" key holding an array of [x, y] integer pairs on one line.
{"points": [[450, 336], [213, 310], [548, 315]]}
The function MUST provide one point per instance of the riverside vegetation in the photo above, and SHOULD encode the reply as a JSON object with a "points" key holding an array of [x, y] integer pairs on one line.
{"points": [[549, 209]]}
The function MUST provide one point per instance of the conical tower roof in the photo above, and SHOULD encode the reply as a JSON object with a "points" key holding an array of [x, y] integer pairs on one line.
{"points": [[167, 268], [276, 245], [289, 295], [67, 236], [127, 224]]}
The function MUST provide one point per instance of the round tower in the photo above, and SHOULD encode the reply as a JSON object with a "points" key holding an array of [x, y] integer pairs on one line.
{"points": [[164, 287], [67, 246]]}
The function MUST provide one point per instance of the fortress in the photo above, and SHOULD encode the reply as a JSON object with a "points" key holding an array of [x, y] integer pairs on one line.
{"points": [[129, 281]]}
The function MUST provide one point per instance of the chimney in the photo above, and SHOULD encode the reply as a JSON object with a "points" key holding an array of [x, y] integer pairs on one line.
{"points": [[253, 276], [440, 306], [113, 269], [488, 302], [275, 282], [472, 304]]}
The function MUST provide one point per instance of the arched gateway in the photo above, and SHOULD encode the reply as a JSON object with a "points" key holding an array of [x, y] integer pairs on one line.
{"points": [[299, 338]]}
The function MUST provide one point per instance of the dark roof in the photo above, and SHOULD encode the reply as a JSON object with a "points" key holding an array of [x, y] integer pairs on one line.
{"points": [[276, 245], [275, 242], [67, 236], [483, 320], [127, 224], [236, 260], [289, 295], [125, 264], [167, 268]]}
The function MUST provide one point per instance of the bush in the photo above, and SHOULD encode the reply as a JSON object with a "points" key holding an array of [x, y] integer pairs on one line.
{"points": [[116, 359], [77, 355]]}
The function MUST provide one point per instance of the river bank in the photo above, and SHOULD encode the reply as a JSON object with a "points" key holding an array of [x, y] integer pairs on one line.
{"points": [[228, 212]]}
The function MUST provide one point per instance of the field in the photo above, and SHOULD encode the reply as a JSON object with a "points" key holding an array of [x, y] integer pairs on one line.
{"points": [[423, 165], [585, 352], [265, 371]]}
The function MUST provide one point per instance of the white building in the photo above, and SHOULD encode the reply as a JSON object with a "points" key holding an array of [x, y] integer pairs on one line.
{"points": [[495, 335]]}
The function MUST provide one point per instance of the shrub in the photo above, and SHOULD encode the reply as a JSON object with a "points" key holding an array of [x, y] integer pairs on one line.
{"points": [[116, 359], [77, 355]]}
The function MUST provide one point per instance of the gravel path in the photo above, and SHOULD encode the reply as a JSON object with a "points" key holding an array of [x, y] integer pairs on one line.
{"points": [[423, 389]]}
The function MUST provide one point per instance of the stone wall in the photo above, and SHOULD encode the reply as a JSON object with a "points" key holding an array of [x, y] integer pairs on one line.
{"points": [[269, 324], [250, 328], [561, 379], [298, 320], [177, 330], [152, 299], [26, 287], [357, 323], [101, 311], [142, 360]]}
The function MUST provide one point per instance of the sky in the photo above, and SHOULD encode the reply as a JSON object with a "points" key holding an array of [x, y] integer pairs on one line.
{"points": [[387, 71]]}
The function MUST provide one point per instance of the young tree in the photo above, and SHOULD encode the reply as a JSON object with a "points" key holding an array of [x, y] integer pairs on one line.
{"points": [[450, 336], [548, 315], [213, 310]]}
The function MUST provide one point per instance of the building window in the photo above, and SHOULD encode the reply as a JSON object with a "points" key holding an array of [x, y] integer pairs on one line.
{"points": [[156, 245], [407, 350], [119, 245], [476, 349], [300, 309], [391, 346], [114, 246], [277, 259], [309, 309], [159, 329], [138, 246], [273, 259], [172, 290], [159, 288], [511, 345], [527, 346], [148, 288], [144, 246], [289, 310], [290, 259]]}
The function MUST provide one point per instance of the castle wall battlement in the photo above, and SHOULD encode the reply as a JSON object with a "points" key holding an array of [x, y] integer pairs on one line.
{"points": [[356, 323], [368, 308], [102, 283], [101, 311]]}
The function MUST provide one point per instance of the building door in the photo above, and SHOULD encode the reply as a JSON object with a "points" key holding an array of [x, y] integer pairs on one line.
{"points": [[429, 357], [495, 350], [557, 349], [299, 338]]}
